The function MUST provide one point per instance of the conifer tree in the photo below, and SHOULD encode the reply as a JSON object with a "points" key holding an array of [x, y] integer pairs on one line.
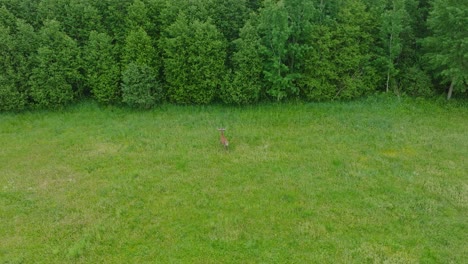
{"points": [[140, 87], [10, 97], [194, 57], [245, 83], [102, 70], [302, 15], [338, 63], [18, 42], [54, 80], [77, 17]]}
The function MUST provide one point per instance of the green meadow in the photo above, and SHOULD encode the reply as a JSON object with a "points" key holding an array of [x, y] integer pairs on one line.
{"points": [[378, 180]]}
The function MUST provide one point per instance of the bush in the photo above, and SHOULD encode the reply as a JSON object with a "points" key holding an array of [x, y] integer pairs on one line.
{"points": [[10, 98], [140, 88], [416, 82]]}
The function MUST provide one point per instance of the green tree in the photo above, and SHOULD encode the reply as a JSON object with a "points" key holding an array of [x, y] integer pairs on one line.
{"points": [[352, 57], [254, 5], [447, 46], [7, 18], [113, 15], [77, 17], [138, 48], [338, 62], [102, 70], [54, 79], [18, 42], [302, 15], [229, 16], [137, 16], [245, 83], [194, 57], [192, 9], [275, 31], [25, 10], [10, 96], [328, 10], [140, 87], [394, 21], [320, 74], [414, 78]]}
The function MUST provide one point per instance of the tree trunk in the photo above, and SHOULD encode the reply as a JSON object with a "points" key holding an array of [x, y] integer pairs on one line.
{"points": [[388, 79], [450, 91], [390, 58]]}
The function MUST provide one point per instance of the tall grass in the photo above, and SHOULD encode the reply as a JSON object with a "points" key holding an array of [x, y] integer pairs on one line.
{"points": [[372, 181]]}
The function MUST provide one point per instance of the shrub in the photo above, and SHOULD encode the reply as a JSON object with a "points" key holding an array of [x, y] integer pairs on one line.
{"points": [[140, 88], [416, 82], [10, 98]]}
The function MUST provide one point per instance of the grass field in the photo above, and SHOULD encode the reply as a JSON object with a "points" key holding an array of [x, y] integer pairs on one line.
{"points": [[380, 180]]}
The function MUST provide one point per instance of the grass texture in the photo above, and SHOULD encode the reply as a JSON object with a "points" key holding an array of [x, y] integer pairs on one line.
{"points": [[380, 180]]}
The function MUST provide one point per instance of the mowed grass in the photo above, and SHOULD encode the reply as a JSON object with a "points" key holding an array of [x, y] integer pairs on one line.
{"points": [[380, 180]]}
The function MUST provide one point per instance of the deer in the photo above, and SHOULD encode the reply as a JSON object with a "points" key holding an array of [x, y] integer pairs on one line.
{"points": [[223, 139]]}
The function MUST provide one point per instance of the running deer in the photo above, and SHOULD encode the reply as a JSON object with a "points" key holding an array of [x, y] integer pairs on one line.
{"points": [[223, 139]]}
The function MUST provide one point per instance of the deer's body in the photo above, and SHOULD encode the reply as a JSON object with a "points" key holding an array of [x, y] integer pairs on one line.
{"points": [[223, 139]]}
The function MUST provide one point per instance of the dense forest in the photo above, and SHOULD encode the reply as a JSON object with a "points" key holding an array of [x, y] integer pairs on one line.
{"points": [[144, 52]]}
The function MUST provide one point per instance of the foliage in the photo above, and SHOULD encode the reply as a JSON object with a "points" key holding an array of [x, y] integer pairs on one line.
{"points": [[416, 82], [394, 22], [299, 49], [302, 15], [140, 88], [319, 69], [17, 45], [102, 70], [194, 56], [137, 16], [138, 48], [245, 83], [274, 30], [448, 44], [10, 97], [229, 17], [113, 15], [77, 17], [338, 63], [53, 80]]}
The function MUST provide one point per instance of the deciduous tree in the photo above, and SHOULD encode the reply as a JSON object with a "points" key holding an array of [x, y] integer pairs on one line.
{"points": [[394, 21], [447, 46], [275, 31]]}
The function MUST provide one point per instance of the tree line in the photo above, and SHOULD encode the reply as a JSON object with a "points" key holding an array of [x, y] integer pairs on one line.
{"points": [[144, 52]]}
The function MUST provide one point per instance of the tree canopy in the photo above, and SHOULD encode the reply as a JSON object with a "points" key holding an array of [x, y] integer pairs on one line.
{"points": [[143, 52]]}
